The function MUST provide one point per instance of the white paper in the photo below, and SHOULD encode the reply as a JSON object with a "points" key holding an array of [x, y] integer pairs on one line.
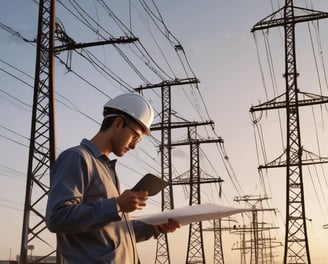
{"points": [[188, 214]]}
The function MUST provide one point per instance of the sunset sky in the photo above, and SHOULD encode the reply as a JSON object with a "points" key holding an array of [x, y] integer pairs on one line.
{"points": [[209, 40]]}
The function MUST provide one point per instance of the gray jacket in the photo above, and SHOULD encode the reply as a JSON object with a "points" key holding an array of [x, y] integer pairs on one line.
{"points": [[82, 210]]}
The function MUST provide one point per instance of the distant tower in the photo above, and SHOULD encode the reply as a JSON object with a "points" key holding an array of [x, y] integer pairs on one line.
{"points": [[296, 239], [42, 139], [195, 250], [162, 251], [166, 126], [195, 253], [257, 230], [218, 250]]}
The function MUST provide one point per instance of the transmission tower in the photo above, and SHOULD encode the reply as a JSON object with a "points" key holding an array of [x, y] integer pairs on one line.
{"points": [[195, 244], [217, 229], [165, 126], [296, 239], [243, 246], [263, 243], [195, 251], [42, 139], [218, 250], [257, 228]]}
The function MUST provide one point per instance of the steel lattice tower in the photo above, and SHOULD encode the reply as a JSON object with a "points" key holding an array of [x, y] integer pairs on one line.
{"points": [[296, 239], [195, 251], [166, 126], [42, 140], [218, 250], [217, 230], [162, 250]]}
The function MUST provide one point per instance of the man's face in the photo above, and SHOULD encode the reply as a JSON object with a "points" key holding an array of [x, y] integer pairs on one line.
{"points": [[128, 136]]}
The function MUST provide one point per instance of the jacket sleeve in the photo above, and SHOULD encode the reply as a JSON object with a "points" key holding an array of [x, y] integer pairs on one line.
{"points": [[66, 211], [143, 231]]}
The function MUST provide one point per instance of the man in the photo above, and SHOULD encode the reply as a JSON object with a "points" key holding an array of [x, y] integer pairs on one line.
{"points": [[85, 207]]}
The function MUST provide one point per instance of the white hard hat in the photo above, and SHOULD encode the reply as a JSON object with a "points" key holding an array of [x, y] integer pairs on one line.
{"points": [[136, 106]]}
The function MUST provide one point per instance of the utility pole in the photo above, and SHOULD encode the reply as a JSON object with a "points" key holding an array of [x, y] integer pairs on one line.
{"points": [[42, 140], [296, 238]]}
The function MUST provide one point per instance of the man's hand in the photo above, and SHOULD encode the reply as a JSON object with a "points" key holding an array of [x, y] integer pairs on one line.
{"points": [[130, 201], [168, 227]]}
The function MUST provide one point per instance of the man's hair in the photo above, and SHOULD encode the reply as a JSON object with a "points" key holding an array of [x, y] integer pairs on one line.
{"points": [[109, 116]]}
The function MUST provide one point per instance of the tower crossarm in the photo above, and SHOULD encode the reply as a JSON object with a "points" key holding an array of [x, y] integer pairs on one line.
{"points": [[74, 45], [309, 159], [69, 44], [160, 126], [250, 198], [280, 102], [197, 141], [186, 181], [277, 18], [174, 82]]}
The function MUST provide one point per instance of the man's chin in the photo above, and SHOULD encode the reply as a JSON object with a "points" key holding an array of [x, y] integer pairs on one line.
{"points": [[120, 154]]}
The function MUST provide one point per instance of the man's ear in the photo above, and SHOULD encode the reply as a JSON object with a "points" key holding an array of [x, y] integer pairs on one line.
{"points": [[118, 122]]}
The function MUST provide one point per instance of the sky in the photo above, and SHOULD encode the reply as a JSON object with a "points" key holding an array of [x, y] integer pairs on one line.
{"points": [[235, 74]]}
